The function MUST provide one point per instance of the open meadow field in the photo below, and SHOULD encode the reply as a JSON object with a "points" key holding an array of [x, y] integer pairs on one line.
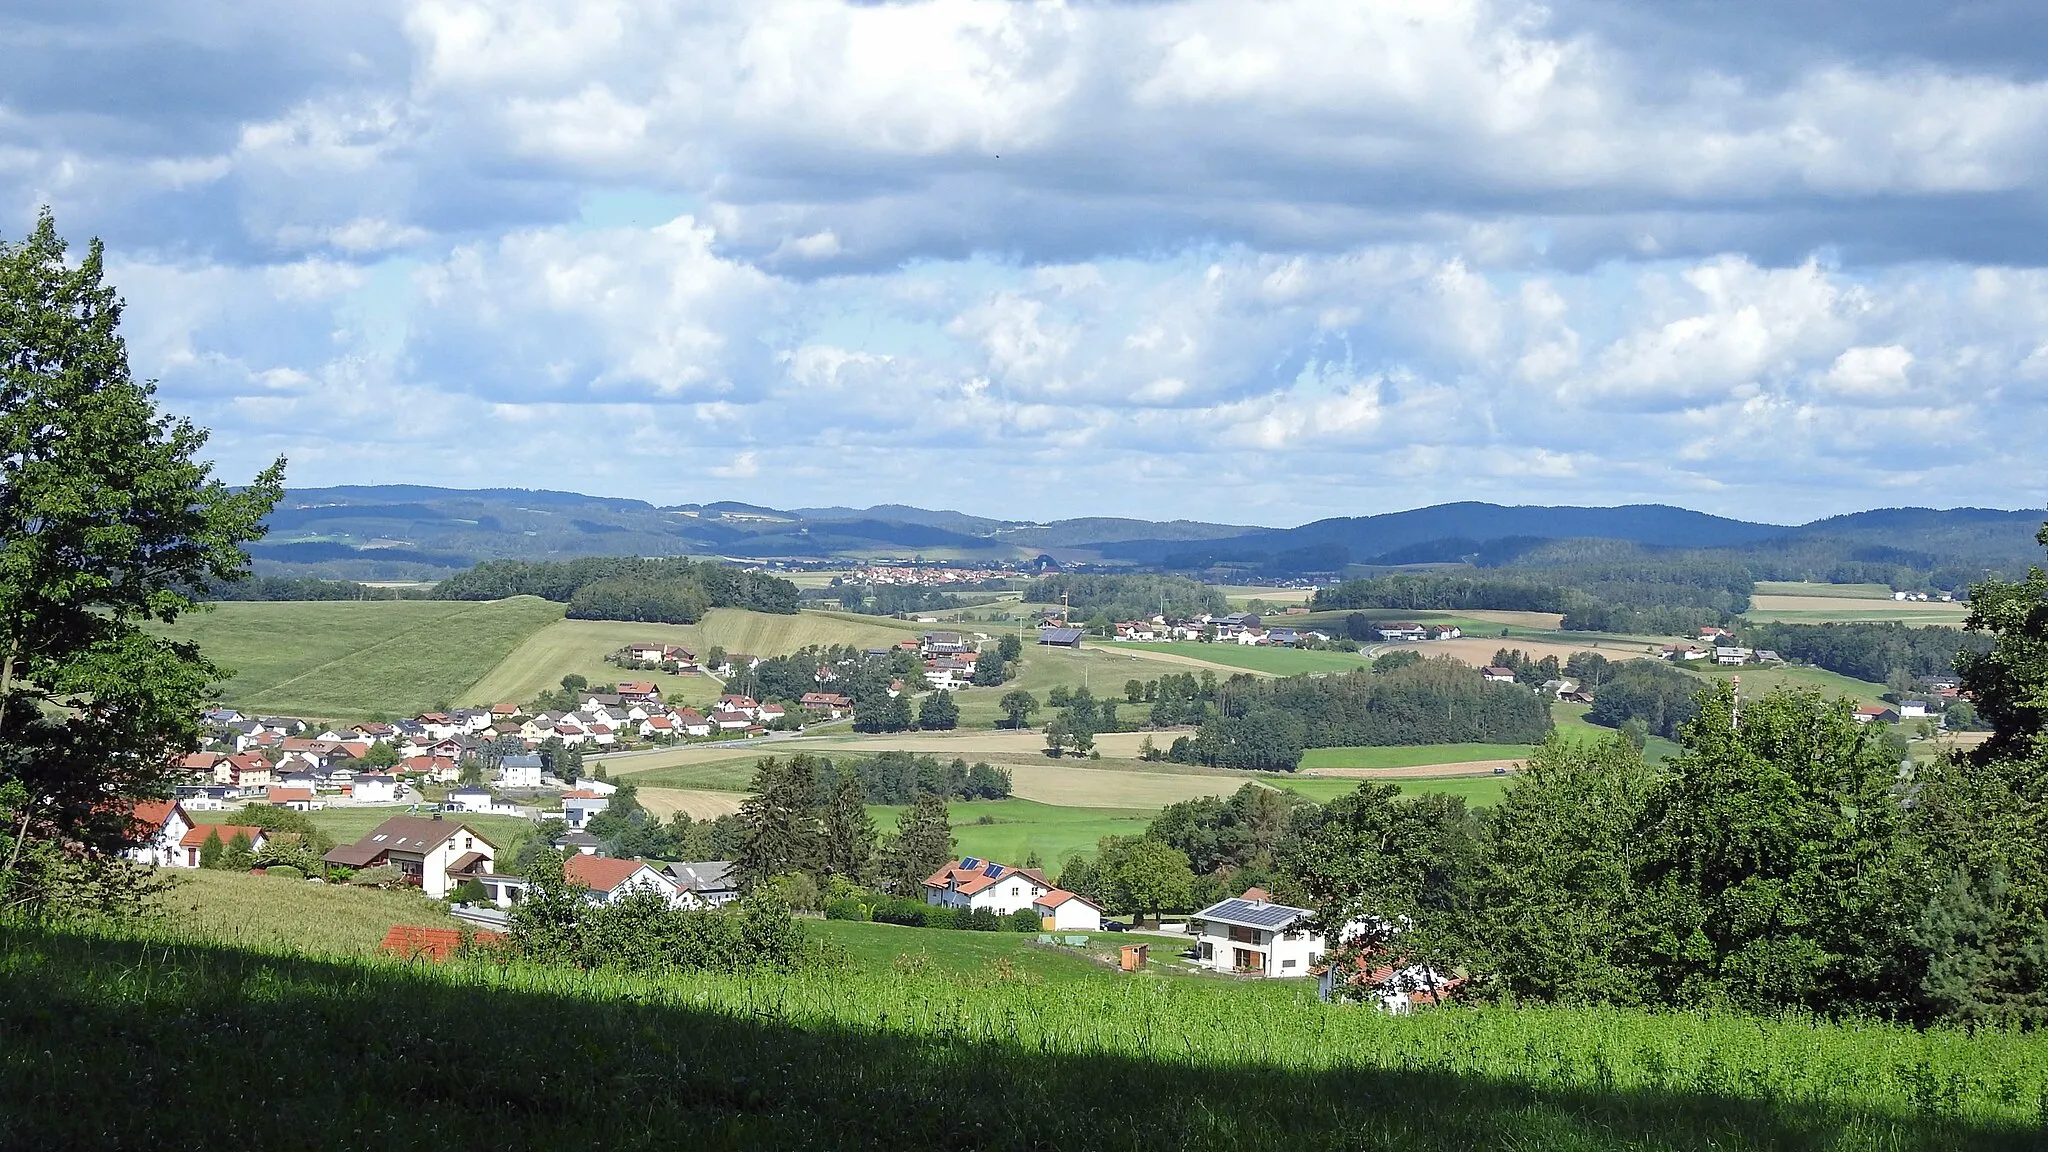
{"points": [[1102, 668], [1015, 830], [267, 911], [1228, 658], [354, 659], [975, 1040], [1412, 755], [699, 804], [1830, 591], [1756, 681], [1240, 595]]}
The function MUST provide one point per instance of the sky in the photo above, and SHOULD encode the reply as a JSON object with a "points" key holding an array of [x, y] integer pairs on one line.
{"points": [[1256, 261]]}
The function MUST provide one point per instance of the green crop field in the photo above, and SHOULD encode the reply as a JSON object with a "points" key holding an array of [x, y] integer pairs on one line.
{"points": [[1410, 755], [1270, 661], [1759, 681], [266, 911], [1572, 725], [351, 659], [1840, 591], [111, 1038], [1018, 828]]}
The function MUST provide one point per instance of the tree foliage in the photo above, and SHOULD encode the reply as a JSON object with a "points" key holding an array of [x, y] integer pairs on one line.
{"points": [[108, 524]]}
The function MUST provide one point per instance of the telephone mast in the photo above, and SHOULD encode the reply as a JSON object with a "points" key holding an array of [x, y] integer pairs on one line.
{"points": [[1735, 713]]}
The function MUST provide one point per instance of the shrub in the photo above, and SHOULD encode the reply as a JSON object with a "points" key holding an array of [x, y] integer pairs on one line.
{"points": [[1022, 920], [469, 892], [382, 876], [845, 908], [911, 913], [936, 916], [982, 920]]}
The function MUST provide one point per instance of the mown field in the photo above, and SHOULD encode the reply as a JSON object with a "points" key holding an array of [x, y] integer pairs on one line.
{"points": [[113, 1039], [1269, 661], [1411, 755], [1017, 829], [358, 659]]}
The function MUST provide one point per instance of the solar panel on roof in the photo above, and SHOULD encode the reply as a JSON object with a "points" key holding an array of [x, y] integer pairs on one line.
{"points": [[971, 863], [992, 871]]}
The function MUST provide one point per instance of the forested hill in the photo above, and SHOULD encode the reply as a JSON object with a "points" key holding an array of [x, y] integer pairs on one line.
{"points": [[409, 532]]}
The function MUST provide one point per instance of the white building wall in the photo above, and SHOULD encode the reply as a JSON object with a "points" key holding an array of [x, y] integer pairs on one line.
{"points": [[1075, 916]]}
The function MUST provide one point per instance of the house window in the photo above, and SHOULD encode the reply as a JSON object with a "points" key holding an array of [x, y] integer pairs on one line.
{"points": [[1287, 963]]}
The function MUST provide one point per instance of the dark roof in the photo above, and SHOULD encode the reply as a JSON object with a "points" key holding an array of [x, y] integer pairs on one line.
{"points": [[352, 855], [414, 834], [1252, 915], [1059, 635], [703, 875]]}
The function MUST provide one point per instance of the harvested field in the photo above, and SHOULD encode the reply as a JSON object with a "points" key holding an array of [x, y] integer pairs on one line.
{"points": [[1478, 651], [699, 804]]}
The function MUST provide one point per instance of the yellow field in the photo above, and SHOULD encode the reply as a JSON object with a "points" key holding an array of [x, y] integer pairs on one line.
{"points": [[1478, 651], [700, 804]]}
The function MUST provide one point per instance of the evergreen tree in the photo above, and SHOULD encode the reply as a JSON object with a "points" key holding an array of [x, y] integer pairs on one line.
{"points": [[849, 834], [210, 851], [938, 713], [923, 844], [782, 832], [238, 856], [110, 526]]}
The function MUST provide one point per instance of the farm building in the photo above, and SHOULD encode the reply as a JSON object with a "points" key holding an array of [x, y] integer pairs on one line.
{"points": [[1060, 636], [1063, 911]]}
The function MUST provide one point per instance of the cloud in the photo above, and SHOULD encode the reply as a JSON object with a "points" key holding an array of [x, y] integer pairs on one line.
{"points": [[1199, 257]]}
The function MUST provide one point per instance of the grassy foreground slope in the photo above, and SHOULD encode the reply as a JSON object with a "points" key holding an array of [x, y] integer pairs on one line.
{"points": [[108, 1041], [349, 659]]}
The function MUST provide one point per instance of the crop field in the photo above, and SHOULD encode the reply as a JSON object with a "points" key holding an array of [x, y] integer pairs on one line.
{"points": [[353, 659], [985, 1051], [699, 804], [1241, 657], [1478, 791], [1827, 610], [1832, 591], [580, 646], [1411, 755], [1013, 830], [266, 911]]}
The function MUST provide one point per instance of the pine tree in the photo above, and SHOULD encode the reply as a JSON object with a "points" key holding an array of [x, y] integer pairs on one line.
{"points": [[781, 828], [850, 833], [923, 845], [938, 713], [210, 851]]}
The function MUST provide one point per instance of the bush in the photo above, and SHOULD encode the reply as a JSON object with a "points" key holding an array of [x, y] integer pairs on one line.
{"points": [[938, 916], [982, 920], [289, 872], [382, 876], [846, 908], [910, 913], [469, 892], [1022, 920]]}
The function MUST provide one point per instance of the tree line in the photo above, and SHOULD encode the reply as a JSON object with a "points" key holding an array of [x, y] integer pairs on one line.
{"points": [[1267, 724], [648, 589], [1872, 651], [1128, 597], [1634, 595], [303, 588]]}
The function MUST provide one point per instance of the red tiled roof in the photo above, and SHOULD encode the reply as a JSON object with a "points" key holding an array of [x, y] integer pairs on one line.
{"points": [[583, 794], [1059, 896], [436, 944], [151, 814], [287, 795], [196, 838], [599, 873]]}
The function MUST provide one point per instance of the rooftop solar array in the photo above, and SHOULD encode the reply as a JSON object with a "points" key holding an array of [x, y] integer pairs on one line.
{"points": [[993, 871], [971, 863], [1245, 912]]}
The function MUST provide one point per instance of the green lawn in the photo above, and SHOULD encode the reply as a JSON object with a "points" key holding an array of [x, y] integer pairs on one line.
{"points": [[1019, 828], [1272, 661], [1102, 668], [345, 660], [1572, 724], [1856, 612], [1410, 755], [1759, 681], [886, 948]]}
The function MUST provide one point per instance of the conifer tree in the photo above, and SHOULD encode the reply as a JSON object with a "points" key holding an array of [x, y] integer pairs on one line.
{"points": [[923, 845], [849, 833]]}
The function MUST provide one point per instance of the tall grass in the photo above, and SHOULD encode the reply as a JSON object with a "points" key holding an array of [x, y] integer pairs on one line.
{"points": [[272, 1048]]}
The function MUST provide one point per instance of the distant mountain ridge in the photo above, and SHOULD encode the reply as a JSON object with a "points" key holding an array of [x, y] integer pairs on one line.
{"points": [[396, 532]]}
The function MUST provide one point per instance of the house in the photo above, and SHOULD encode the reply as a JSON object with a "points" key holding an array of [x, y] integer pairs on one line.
{"points": [[638, 692], [1730, 656], [1283, 637], [745, 704], [655, 726], [579, 806], [243, 770], [505, 710], [1560, 688], [707, 882], [1060, 637], [159, 827], [1403, 632], [519, 771], [479, 800], [1136, 630], [375, 788], [945, 644], [1063, 911], [608, 880], [439, 769], [693, 722], [827, 703], [435, 853], [1397, 987], [195, 838], [1445, 632], [973, 883], [1913, 709], [1498, 675], [770, 713], [200, 765], [1877, 712], [296, 799], [1252, 936], [731, 721], [582, 843], [437, 944]]}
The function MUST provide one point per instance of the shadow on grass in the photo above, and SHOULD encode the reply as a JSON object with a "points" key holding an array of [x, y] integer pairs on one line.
{"points": [[120, 1043]]}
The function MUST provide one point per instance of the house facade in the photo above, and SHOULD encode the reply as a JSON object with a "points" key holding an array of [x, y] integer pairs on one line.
{"points": [[161, 826], [1063, 911], [607, 880], [1251, 936], [975, 883], [432, 852]]}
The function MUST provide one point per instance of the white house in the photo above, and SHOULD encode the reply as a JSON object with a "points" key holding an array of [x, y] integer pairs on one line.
{"points": [[1062, 911], [1912, 709], [436, 854], [1498, 675], [975, 883], [1252, 936], [481, 801], [706, 882], [579, 806], [375, 788], [161, 826], [608, 879], [519, 772]]}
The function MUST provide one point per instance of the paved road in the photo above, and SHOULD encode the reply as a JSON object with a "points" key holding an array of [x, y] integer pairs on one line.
{"points": [[749, 742]]}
